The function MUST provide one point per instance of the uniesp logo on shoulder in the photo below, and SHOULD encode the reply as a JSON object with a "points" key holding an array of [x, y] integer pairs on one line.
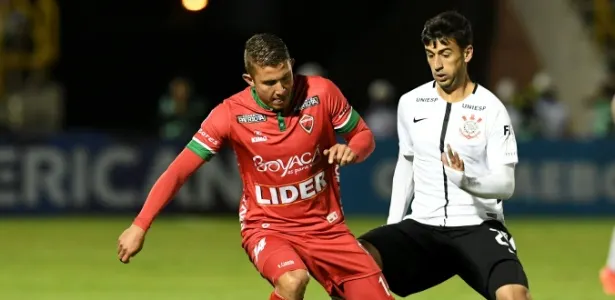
{"points": [[309, 102], [420, 99], [252, 118], [473, 107]]}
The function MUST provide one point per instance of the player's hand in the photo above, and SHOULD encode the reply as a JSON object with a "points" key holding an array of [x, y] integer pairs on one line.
{"points": [[130, 243], [340, 154], [455, 163]]}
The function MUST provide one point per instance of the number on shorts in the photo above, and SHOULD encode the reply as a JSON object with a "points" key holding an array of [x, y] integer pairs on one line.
{"points": [[503, 239], [384, 285]]}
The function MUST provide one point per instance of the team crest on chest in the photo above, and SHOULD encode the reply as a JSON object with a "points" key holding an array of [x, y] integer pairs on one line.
{"points": [[470, 127], [307, 123]]}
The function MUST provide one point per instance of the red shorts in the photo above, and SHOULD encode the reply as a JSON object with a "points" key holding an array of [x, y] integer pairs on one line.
{"points": [[331, 259]]}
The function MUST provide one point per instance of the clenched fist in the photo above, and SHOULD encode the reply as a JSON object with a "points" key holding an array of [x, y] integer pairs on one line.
{"points": [[340, 154], [130, 243]]}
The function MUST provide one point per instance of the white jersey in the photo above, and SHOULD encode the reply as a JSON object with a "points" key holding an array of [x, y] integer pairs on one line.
{"points": [[477, 128]]}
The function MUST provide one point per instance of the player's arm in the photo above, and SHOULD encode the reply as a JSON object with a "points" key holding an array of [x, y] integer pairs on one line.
{"points": [[403, 178], [203, 146], [499, 183], [348, 123]]}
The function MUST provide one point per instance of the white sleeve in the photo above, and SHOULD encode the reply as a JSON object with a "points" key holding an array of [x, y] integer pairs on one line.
{"points": [[403, 189], [403, 178], [403, 130], [501, 142], [498, 184]]}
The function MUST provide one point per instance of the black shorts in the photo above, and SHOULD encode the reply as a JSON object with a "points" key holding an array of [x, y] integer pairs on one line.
{"points": [[416, 256]]}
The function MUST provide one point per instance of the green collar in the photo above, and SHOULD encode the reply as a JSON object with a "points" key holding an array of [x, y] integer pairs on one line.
{"points": [[258, 100], [261, 103]]}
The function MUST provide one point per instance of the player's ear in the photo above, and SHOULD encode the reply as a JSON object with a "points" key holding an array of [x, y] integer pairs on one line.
{"points": [[292, 63], [468, 52], [248, 79]]}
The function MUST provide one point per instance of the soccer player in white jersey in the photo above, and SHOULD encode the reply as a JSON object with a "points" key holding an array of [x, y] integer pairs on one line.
{"points": [[457, 156], [607, 274]]}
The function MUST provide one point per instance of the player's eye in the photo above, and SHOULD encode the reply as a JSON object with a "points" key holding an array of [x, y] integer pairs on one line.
{"points": [[269, 82]]}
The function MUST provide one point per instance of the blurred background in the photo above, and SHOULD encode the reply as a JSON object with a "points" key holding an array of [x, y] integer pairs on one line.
{"points": [[97, 97]]}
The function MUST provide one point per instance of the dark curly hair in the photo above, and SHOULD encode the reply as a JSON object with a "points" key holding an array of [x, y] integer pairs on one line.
{"points": [[448, 26]]}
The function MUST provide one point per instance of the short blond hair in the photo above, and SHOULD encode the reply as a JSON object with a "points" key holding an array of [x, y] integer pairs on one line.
{"points": [[264, 49]]}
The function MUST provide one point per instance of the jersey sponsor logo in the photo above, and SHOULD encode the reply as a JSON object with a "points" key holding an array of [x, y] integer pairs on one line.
{"points": [[307, 123], [286, 194], [415, 120], [309, 102], [208, 137], [426, 99], [473, 107], [259, 137], [252, 118], [292, 165], [470, 127]]}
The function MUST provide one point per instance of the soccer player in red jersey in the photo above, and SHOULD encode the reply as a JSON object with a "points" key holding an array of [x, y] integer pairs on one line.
{"points": [[283, 130]]}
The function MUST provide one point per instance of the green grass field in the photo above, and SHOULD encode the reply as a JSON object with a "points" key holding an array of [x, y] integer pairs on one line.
{"points": [[201, 258]]}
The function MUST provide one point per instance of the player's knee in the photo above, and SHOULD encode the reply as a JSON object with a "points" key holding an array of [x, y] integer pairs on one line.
{"points": [[373, 252], [291, 285], [513, 292]]}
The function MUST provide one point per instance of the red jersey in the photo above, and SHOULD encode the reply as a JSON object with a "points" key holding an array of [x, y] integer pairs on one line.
{"points": [[288, 184]]}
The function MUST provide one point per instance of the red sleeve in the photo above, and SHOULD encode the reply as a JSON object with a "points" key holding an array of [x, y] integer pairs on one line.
{"points": [[212, 134], [203, 146], [347, 122]]}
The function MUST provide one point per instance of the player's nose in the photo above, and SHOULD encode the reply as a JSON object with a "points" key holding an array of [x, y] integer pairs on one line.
{"points": [[281, 91]]}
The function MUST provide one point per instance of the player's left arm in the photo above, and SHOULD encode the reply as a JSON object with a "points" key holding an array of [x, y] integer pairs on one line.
{"points": [[499, 183], [348, 123]]}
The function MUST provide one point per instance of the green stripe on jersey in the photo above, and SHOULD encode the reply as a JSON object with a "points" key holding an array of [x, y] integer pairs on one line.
{"points": [[350, 124], [200, 150]]}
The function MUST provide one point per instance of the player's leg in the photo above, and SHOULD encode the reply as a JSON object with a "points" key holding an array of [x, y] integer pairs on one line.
{"points": [[487, 261], [607, 274], [411, 256], [351, 272], [291, 285], [371, 287], [278, 262], [344, 268]]}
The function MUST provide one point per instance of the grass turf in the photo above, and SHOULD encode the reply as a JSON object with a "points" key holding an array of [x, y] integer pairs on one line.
{"points": [[201, 258]]}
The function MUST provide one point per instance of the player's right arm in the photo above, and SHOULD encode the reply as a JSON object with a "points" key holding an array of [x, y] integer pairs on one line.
{"points": [[203, 146], [403, 178]]}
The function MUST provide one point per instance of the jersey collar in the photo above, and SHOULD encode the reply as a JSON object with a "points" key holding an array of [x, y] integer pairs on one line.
{"points": [[295, 93], [259, 101]]}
